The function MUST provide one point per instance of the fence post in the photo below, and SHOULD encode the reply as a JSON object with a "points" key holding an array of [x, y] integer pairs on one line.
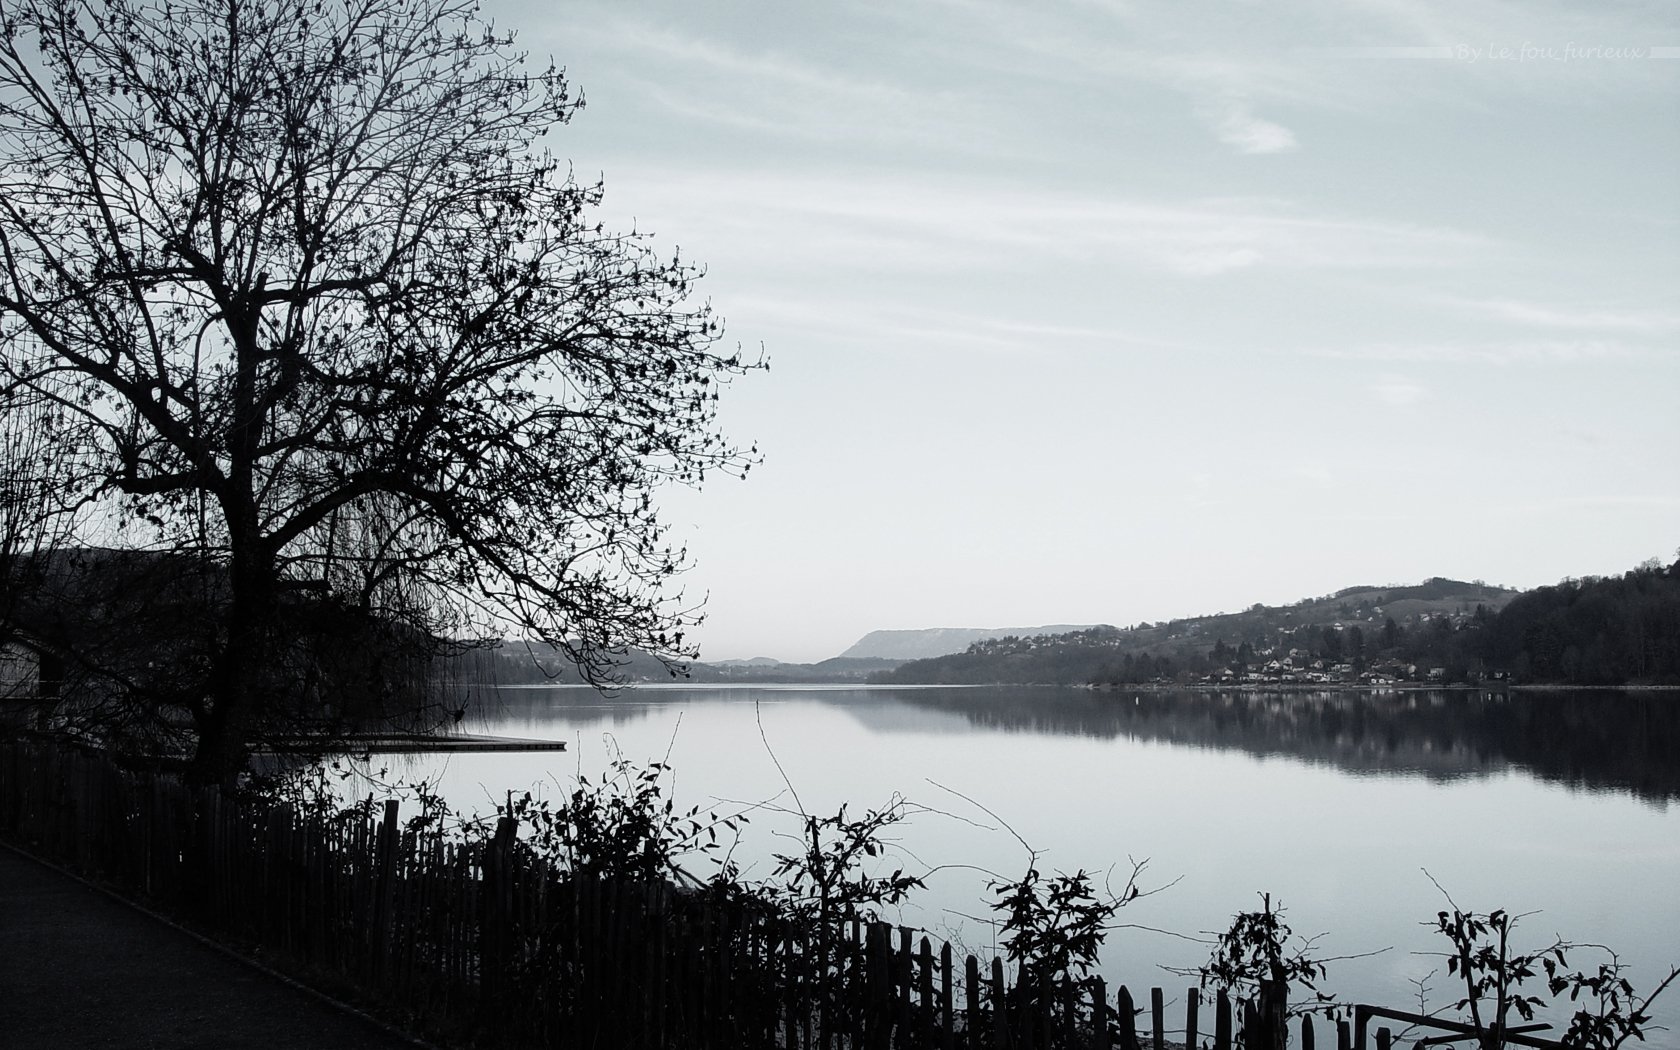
{"points": [[1070, 1015], [904, 986], [816, 976], [203, 889], [1128, 1020], [724, 958], [1307, 1038], [708, 977], [948, 1038], [1344, 1040], [926, 992], [877, 1018], [1384, 1039], [1361, 1020], [1192, 1007], [493, 929], [1222, 1022], [792, 1005], [1157, 1010], [1274, 1016], [829, 977], [385, 893], [1023, 1019], [1099, 1014], [277, 856], [1000, 1007]]}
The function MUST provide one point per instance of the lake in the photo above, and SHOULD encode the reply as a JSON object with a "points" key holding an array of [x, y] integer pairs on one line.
{"points": [[1560, 805]]}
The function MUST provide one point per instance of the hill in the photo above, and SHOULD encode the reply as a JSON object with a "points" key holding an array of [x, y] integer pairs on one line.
{"points": [[940, 641], [520, 663], [836, 669], [1598, 631]]}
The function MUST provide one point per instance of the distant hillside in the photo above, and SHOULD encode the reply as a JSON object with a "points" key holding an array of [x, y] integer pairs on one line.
{"points": [[519, 663], [838, 669], [536, 663], [939, 641], [1187, 649], [1615, 630], [1597, 631]]}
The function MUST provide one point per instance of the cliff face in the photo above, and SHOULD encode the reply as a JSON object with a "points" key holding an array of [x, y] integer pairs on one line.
{"points": [[940, 641]]}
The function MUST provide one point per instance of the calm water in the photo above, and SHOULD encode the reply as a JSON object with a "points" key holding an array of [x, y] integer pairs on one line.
{"points": [[1563, 805]]}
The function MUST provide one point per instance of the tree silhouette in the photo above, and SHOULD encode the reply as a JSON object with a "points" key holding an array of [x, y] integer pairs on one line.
{"points": [[35, 511], [309, 306]]}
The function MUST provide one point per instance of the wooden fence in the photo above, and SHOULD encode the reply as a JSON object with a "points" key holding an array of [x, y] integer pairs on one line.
{"points": [[479, 940]]}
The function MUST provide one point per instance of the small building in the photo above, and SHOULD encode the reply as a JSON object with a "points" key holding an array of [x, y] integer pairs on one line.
{"points": [[28, 671], [19, 671]]}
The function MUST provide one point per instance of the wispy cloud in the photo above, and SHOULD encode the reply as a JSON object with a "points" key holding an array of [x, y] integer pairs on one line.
{"points": [[1398, 391], [912, 326], [1537, 315], [1211, 261], [756, 68], [919, 224], [1320, 56], [1221, 90], [1239, 127], [789, 92], [1489, 352]]}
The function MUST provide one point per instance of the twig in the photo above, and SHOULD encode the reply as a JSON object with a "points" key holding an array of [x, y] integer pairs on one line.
{"points": [[989, 813], [1442, 888], [758, 716]]}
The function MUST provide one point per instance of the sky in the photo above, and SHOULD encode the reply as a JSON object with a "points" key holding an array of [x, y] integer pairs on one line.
{"points": [[1093, 311]]}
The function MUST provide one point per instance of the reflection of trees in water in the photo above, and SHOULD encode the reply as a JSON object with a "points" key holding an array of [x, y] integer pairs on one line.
{"points": [[1587, 740], [502, 710]]}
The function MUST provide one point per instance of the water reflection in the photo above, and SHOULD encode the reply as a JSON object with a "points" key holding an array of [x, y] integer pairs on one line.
{"points": [[1548, 803], [1586, 740]]}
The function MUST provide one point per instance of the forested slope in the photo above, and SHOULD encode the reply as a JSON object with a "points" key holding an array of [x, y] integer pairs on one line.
{"points": [[1597, 631]]}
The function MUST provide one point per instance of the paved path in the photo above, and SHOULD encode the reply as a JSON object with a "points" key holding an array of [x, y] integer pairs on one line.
{"points": [[80, 969]]}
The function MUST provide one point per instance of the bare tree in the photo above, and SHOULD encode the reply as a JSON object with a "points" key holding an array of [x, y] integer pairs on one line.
{"points": [[310, 304], [37, 512]]}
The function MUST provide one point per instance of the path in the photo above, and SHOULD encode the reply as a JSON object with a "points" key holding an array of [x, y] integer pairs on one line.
{"points": [[81, 969]]}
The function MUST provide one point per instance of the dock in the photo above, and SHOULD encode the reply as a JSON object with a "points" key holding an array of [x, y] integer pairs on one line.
{"points": [[409, 743]]}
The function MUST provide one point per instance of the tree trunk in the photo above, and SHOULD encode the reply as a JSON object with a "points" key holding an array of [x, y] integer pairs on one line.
{"points": [[241, 674], [240, 683]]}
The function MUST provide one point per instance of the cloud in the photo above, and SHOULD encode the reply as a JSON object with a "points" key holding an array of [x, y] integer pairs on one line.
{"points": [[907, 224], [1212, 262], [1536, 315], [877, 321], [1398, 391], [1486, 352], [1202, 491], [1249, 134], [667, 46], [788, 92]]}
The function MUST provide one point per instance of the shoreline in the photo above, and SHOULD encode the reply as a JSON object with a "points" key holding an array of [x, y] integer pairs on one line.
{"points": [[1398, 687]]}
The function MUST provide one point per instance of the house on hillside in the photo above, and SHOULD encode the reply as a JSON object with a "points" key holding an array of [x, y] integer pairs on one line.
{"points": [[125, 643], [31, 681], [19, 671], [29, 671]]}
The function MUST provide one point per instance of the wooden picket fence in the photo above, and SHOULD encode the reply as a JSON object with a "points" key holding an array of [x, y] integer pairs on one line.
{"points": [[480, 940]]}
